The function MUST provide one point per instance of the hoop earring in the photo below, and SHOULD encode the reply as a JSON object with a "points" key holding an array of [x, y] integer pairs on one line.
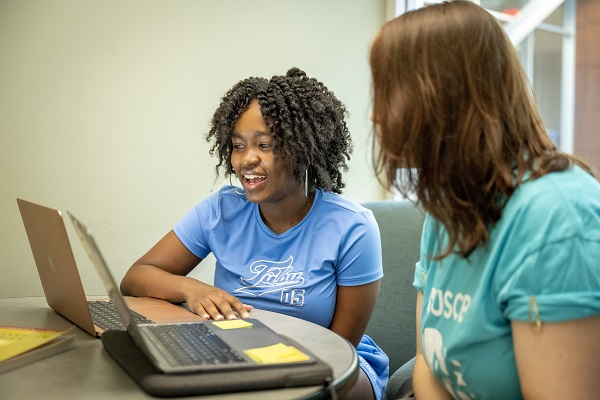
{"points": [[234, 188], [306, 183]]}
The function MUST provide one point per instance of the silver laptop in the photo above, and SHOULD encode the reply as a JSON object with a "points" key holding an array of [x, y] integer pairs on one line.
{"points": [[62, 285], [196, 346]]}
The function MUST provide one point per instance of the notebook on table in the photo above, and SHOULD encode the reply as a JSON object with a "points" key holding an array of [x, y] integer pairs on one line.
{"points": [[62, 285], [176, 359]]}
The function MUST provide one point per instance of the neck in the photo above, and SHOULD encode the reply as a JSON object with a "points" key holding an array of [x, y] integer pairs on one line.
{"points": [[282, 216]]}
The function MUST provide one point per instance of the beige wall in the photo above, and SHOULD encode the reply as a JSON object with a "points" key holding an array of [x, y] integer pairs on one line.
{"points": [[104, 104], [587, 82]]}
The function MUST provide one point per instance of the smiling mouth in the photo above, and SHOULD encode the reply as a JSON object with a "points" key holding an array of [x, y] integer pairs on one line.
{"points": [[252, 179]]}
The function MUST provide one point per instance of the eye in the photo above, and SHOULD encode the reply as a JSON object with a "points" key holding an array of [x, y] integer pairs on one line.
{"points": [[238, 146], [265, 146]]}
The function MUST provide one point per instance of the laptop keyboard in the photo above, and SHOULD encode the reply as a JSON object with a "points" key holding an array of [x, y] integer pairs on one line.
{"points": [[105, 316], [193, 344]]}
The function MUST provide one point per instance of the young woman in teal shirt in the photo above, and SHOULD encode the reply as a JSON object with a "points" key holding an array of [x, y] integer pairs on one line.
{"points": [[508, 281]]}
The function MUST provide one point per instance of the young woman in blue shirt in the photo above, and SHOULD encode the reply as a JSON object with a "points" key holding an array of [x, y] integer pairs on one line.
{"points": [[285, 240]]}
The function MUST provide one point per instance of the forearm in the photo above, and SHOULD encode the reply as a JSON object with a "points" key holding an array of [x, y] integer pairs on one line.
{"points": [[203, 299], [425, 384], [150, 281]]}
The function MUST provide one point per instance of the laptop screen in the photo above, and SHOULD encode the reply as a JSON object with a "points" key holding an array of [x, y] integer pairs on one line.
{"points": [[95, 256]]}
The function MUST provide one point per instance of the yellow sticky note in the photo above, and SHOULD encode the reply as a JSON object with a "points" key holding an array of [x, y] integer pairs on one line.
{"points": [[232, 324], [277, 353]]}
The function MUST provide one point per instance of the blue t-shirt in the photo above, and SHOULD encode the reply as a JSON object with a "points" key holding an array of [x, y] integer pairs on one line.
{"points": [[546, 245], [296, 272]]}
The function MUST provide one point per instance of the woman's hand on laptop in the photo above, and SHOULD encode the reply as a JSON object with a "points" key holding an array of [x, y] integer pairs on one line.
{"points": [[211, 302]]}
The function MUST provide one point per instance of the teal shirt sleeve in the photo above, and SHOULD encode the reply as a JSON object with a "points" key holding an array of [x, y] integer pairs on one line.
{"points": [[555, 255], [564, 278]]}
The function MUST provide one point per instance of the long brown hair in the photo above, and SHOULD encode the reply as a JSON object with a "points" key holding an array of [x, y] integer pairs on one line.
{"points": [[452, 103]]}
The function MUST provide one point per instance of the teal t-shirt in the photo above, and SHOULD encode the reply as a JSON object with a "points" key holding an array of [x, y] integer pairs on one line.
{"points": [[547, 245]]}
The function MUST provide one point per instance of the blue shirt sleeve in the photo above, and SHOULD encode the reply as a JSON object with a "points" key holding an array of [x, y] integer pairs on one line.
{"points": [[360, 253], [194, 229]]}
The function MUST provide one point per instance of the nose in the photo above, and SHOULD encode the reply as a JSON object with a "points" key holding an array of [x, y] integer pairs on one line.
{"points": [[373, 118], [249, 158]]}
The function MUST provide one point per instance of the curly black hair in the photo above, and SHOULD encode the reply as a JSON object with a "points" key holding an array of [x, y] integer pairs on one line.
{"points": [[305, 118]]}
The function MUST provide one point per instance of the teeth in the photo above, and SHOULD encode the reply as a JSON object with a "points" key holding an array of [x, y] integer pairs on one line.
{"points": [[254, 176]]}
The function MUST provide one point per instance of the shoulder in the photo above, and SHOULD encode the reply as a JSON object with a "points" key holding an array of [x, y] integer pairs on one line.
{"points": [[550, 224], [342, 207], [223, 203], [570, 184], [228, 195], [344, 217], [568, 199]]}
